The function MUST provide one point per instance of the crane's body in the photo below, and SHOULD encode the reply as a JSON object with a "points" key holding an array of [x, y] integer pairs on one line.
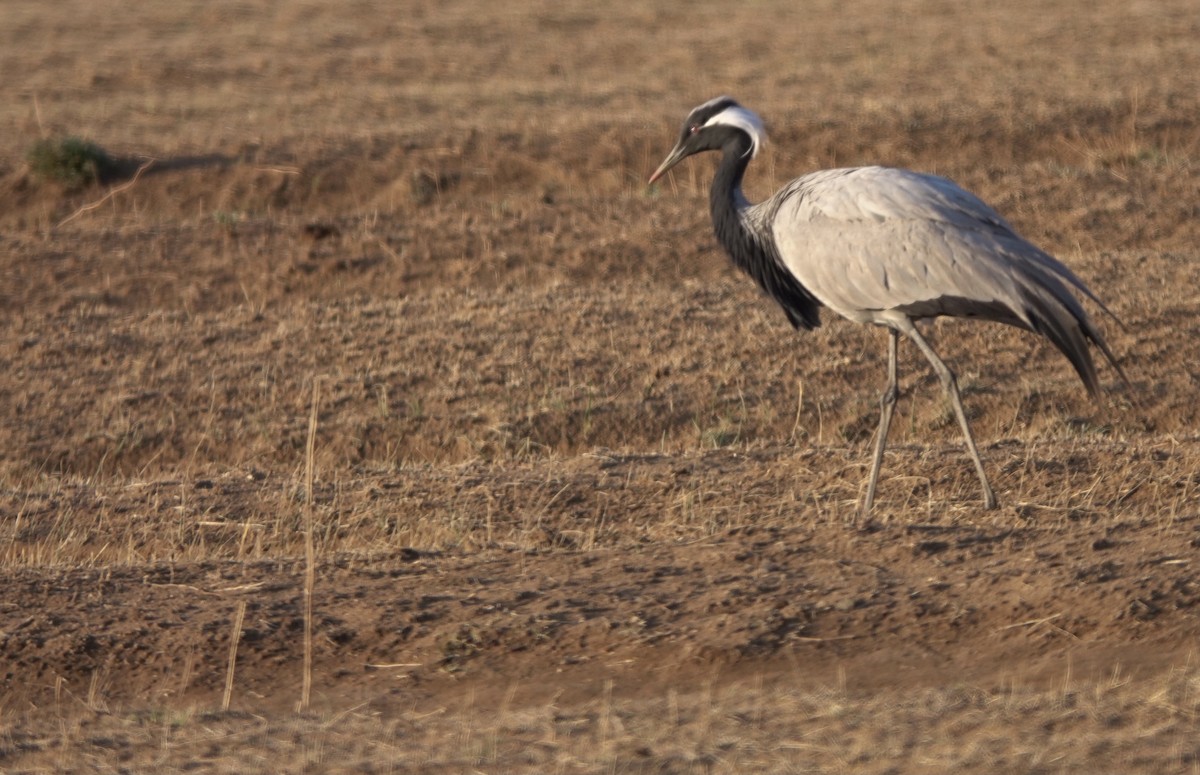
{"points": [[886, 246]]}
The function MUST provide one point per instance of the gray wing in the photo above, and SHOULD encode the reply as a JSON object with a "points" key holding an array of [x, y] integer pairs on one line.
{"points": [[874, 241]]}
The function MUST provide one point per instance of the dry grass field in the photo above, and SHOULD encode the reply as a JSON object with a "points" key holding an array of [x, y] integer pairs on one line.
{"points": [[581, 500]]}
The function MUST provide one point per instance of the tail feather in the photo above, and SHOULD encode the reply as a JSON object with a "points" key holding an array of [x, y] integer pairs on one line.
{"points": [[1056, 314], [1064, 331], [1051, 265]]}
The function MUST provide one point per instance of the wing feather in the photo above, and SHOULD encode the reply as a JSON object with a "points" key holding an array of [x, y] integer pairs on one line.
{"points": [[870, 242], [876, 238]]}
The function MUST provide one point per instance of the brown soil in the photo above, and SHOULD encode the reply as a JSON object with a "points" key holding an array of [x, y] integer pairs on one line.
{"points": [[582, 501]]}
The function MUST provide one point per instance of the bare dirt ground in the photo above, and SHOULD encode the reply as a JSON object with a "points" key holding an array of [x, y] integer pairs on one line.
{"points": [[583, 502]]}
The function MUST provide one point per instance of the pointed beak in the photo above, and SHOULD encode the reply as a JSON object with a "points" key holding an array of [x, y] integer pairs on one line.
{"points": [[674, 157]]}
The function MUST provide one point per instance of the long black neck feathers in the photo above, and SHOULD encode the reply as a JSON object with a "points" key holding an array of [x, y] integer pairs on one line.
{"points": [[753, 249]]}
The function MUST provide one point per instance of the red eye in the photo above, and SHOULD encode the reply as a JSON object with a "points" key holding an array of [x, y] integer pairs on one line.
{"points": [[693, 129]]}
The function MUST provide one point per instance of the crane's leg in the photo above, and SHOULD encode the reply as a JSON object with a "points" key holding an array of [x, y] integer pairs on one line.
{"points": [[951, 386], [887, 403]]}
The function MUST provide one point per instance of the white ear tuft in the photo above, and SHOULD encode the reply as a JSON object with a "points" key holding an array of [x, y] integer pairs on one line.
{"points": [[743, 119]]}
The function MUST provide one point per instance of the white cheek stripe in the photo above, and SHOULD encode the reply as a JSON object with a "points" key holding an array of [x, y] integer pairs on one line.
{"points": [[743, 119]]}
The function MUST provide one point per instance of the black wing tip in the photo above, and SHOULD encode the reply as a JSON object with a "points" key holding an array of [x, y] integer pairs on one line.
{"points": [[1070, 334], [803, 320], [1112, 361]]}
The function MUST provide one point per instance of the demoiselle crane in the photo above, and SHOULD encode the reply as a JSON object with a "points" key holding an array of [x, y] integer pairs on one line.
{"points": [[888, 247]]}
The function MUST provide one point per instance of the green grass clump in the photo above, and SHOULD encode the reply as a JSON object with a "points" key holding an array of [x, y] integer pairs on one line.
{"points": [[70, 161]]}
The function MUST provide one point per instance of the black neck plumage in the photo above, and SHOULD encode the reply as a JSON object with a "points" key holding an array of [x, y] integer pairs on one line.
{"points": [[752, 248]]}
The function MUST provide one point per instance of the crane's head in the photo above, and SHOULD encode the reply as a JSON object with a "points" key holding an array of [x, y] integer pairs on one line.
{"points": [[710, 127]]}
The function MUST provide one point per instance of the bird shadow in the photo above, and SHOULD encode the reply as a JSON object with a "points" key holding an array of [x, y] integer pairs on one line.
{"points": [[127, 168], [124, 172]]}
